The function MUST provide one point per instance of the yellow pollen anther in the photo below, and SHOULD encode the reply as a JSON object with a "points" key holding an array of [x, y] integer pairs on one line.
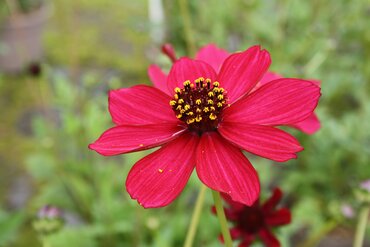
{"points": [[198, 101], [160, 170], [206, 109], [190, 121], [212, 116], [179, 107], [210, 102], [212, 108], [211, 94], [208, 80], [177, 90], [221, 90], [198, 110], [220, 97], [216, 90], [187, 83], [192, 85], [173, 102], [219, 104], [182, 111], [216, 84], [181, 101], [201, 78], [187, 107], [190, 113], [198, 118], [179, 116], [176, 97]]}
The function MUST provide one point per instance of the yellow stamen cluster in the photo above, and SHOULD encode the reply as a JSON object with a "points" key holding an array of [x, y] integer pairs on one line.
{"points": [[199, 104]]}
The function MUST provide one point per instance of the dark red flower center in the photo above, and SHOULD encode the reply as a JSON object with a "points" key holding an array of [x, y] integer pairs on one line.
{"points": [[251, 219], [199, 104]]}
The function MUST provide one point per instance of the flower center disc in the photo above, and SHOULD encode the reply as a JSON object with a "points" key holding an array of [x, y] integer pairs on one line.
{"points": [[252, 220], [199, 104]]}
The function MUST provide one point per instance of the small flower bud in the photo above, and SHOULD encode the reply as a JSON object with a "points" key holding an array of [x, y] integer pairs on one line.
{"points": [[49, 219]]}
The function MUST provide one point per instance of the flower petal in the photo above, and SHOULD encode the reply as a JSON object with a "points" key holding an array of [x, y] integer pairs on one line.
{"points": [[280, 102], [231, 214], [268, 238], [241, 71], [224, 168], [309, 125], [279, 217], [273, 201], [158, 78], [268, 76], [140, 105], [234, 206], [247, 240], [235, 233], [169, 51], [157, 179], [212, 55], [265, 141], [187, 69], [129, 138]]}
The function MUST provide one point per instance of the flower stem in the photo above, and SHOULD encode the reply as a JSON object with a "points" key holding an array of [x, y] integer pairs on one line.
{"points": [[189, 37], [195, 218], [12, 6], [361, 226], [222, 218]]}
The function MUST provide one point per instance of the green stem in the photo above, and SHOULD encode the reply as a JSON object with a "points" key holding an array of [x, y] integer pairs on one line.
{"points": [[361, 226], [12, 7], [195, 217], [189, 37], [222, 218]]}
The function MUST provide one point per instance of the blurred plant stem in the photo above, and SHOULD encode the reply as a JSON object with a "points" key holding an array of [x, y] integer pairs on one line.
{"points": [[361, 226], [189, 37], [315, 238], [12, 6], [43, 241], [195, 217], [222, 218]]}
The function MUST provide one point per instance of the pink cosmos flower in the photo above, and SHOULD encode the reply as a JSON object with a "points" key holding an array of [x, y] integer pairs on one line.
{"points": [[256, 221], [215, 56], [203, 116]]}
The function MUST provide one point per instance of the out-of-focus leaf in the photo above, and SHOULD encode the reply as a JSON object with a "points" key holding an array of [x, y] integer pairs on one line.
{"points": [[9, 226]]}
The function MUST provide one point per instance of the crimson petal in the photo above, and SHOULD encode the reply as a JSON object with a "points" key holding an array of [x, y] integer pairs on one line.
{"points": [[224, 168], [269, 76], [273, 201], [279, 217], [280, 102], [140, 105], [187, 69], [264, 141], [212, 55], [129, 138], [242, 71], [309, 125], [158, 78], [157, 179], [268, 238]]}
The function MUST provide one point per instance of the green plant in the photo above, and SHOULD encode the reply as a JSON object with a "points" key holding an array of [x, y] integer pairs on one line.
{"points": [[14, 7]]}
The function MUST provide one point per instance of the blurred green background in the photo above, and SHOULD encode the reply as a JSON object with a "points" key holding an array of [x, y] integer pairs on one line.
{"points": [[92, 46]]}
